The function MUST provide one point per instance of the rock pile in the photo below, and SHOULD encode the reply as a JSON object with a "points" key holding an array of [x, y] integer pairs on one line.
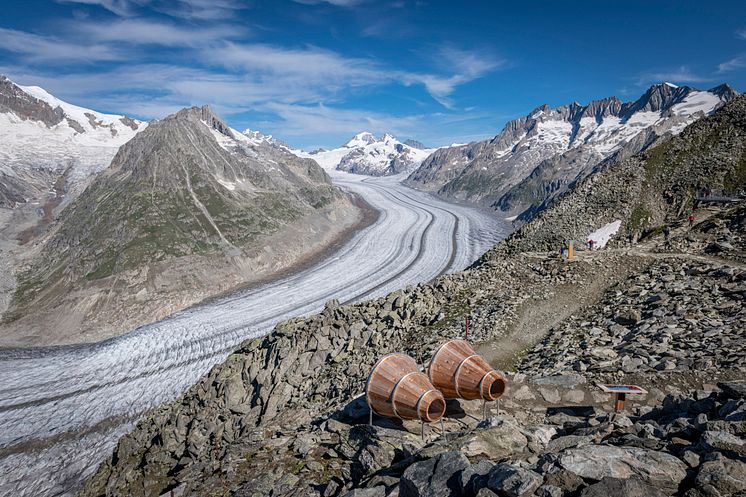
{"points": [[675, 316], [688, 446]]}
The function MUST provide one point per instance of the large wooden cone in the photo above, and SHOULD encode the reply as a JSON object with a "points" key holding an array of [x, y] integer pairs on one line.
{"points": [[460, 373], [396, 388]]}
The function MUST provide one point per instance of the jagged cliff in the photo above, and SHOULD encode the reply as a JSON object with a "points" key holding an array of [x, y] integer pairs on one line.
{"points": [[535, 158]]}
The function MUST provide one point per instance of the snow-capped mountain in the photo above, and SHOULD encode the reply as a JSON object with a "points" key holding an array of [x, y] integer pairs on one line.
{"points": [[43, 137], [536, 157], [187, 196], [366, 154]]}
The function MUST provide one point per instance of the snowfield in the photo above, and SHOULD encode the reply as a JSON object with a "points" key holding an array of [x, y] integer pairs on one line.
{"points": [[603, 234], [63, 409]]}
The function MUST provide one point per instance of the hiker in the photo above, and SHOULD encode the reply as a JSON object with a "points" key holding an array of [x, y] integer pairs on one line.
{"points": [[666, 233], [591, 243], [562, 251], [691, 219]]}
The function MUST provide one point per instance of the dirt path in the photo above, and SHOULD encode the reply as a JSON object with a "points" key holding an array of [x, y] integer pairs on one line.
{"points": [[538, 316]]}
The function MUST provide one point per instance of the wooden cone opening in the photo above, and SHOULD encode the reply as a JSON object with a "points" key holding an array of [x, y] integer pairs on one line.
{"points": [[459, 372], [396, 388], [493, 386], [432, 406]]}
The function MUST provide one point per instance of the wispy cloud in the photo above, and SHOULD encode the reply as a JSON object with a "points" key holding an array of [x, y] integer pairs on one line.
{"points": [[682, 74], [466, 66], [298, 119], [146, 32], [118, 7], [339, 3], [741, 34], [38, 48], [206, 10], [732, 64]]}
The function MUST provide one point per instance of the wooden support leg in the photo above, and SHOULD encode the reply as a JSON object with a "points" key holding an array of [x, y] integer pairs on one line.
{"points": [[370, 419], [619, 403]]}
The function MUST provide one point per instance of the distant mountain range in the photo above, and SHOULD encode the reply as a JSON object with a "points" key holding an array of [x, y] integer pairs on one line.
{"points": [[537, 157], [366, 154]]}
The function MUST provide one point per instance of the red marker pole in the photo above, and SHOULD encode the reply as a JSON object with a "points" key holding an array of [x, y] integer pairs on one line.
{"points": [[466, 334]]}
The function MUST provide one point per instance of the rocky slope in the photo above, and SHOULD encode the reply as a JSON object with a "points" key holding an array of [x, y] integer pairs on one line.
{"points": [[537, 157], [365, 154], [284, 414], [188, 209], [649, 189]]}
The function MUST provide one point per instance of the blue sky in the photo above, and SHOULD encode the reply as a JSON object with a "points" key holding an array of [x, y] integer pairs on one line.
{"points": [[315, 72]]}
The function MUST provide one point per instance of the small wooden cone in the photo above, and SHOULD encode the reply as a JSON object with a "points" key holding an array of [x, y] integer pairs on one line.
{"points": [[396, 388], [459, 372]]}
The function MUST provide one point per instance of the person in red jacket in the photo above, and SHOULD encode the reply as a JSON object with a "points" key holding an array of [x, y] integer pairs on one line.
{"points": [[691, 219]]}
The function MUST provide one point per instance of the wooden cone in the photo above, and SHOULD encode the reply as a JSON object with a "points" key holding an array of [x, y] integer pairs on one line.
{"points": [[459, 372], [396, 388]]}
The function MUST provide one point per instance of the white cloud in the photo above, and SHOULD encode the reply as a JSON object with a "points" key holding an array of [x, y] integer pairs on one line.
{"points": [[206, 10], [339, 3], [143, 32], [118, 7], [297, 120], [37, 48], [681, 74], [732, 64]]}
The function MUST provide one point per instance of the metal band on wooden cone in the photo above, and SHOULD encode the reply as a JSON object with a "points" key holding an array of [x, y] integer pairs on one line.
{"points": [[438, 397], [498, 377]]}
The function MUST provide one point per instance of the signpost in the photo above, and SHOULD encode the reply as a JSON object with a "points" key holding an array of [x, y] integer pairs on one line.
{"points": [[620, 393]]}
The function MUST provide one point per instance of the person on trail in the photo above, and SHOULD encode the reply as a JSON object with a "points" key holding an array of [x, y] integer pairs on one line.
{"points": [[591, 243], [666, 234], [691, 219]]}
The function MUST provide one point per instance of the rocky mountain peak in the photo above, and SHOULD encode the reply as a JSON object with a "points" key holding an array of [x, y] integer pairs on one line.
{"points": [[15, 100], [724, 91], [415, 144], [206, 115], [657, 98], [361, 139]]}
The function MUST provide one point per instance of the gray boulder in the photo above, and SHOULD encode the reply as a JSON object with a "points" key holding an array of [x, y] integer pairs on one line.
{"points": [[721, 476], [629, 487], [595, 462], [367, 492], [511, 481], [435, 477]]}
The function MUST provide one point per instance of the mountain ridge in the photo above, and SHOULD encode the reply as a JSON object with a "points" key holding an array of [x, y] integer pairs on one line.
{"points": [[508, 172], [366, 154]]}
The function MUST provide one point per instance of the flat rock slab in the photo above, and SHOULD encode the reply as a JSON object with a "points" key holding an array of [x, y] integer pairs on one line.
{"points": [[595, 462]]}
